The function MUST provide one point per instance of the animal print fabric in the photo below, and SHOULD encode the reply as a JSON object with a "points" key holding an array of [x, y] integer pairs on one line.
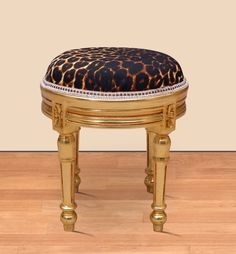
{"points": [[114, 69]]}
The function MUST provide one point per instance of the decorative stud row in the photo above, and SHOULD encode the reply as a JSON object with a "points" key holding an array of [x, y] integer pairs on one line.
{"points": [[129, 95]]}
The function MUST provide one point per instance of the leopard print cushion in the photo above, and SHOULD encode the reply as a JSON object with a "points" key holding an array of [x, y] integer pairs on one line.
{"points": [[114, 69]]}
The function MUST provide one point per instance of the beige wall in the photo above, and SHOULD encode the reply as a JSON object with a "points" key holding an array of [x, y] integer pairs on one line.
{"points": [[199, 34]]}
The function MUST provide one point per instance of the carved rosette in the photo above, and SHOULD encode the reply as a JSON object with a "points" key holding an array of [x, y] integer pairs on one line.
{"points": [[57, 116], [170, 117]]}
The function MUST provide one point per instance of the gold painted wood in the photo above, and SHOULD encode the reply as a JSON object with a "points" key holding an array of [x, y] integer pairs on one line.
{"points": [[110, 114], [149, 180], [77, 169], [66, 149], [161, 145], [156, 114]]}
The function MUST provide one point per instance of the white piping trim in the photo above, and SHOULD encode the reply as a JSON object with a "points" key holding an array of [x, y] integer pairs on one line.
{"points": [[98, 95]]}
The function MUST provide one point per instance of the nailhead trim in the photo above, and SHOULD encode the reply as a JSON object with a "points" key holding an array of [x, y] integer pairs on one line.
{"points": [[132, 95]]}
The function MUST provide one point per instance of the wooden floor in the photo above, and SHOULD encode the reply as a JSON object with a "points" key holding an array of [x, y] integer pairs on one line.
{"points": [[114, 207]]}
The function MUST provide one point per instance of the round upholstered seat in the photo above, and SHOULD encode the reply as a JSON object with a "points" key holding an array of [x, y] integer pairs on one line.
{"points": [[114, 73]]}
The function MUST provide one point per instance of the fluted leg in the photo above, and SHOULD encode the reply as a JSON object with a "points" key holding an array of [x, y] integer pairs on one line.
{"points": [[160, 158], [77, 169], [149, 169], [66, 149]]}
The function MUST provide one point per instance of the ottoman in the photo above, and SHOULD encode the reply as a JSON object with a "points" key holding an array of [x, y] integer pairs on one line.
{"points": [[114, 87]]}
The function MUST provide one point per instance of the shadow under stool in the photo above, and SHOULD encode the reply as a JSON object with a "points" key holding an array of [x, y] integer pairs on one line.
{"points": [[114, 87]]}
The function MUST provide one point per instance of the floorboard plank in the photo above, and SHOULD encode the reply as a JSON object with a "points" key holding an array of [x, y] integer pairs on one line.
{"points": [[114, 207]]}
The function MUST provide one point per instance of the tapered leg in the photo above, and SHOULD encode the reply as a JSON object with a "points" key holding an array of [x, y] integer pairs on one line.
{"points": [[160, 158], [66, 150], [77, 169], [149, 169]]}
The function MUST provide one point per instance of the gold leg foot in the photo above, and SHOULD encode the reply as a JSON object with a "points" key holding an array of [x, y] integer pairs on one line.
{"points": [[66, 149], [69, 228], [160, 158], [158, 219], [158, 228], [68, 218]]}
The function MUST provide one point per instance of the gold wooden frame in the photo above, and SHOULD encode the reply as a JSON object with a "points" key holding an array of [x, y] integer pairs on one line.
{"points": [[156, 114]]}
